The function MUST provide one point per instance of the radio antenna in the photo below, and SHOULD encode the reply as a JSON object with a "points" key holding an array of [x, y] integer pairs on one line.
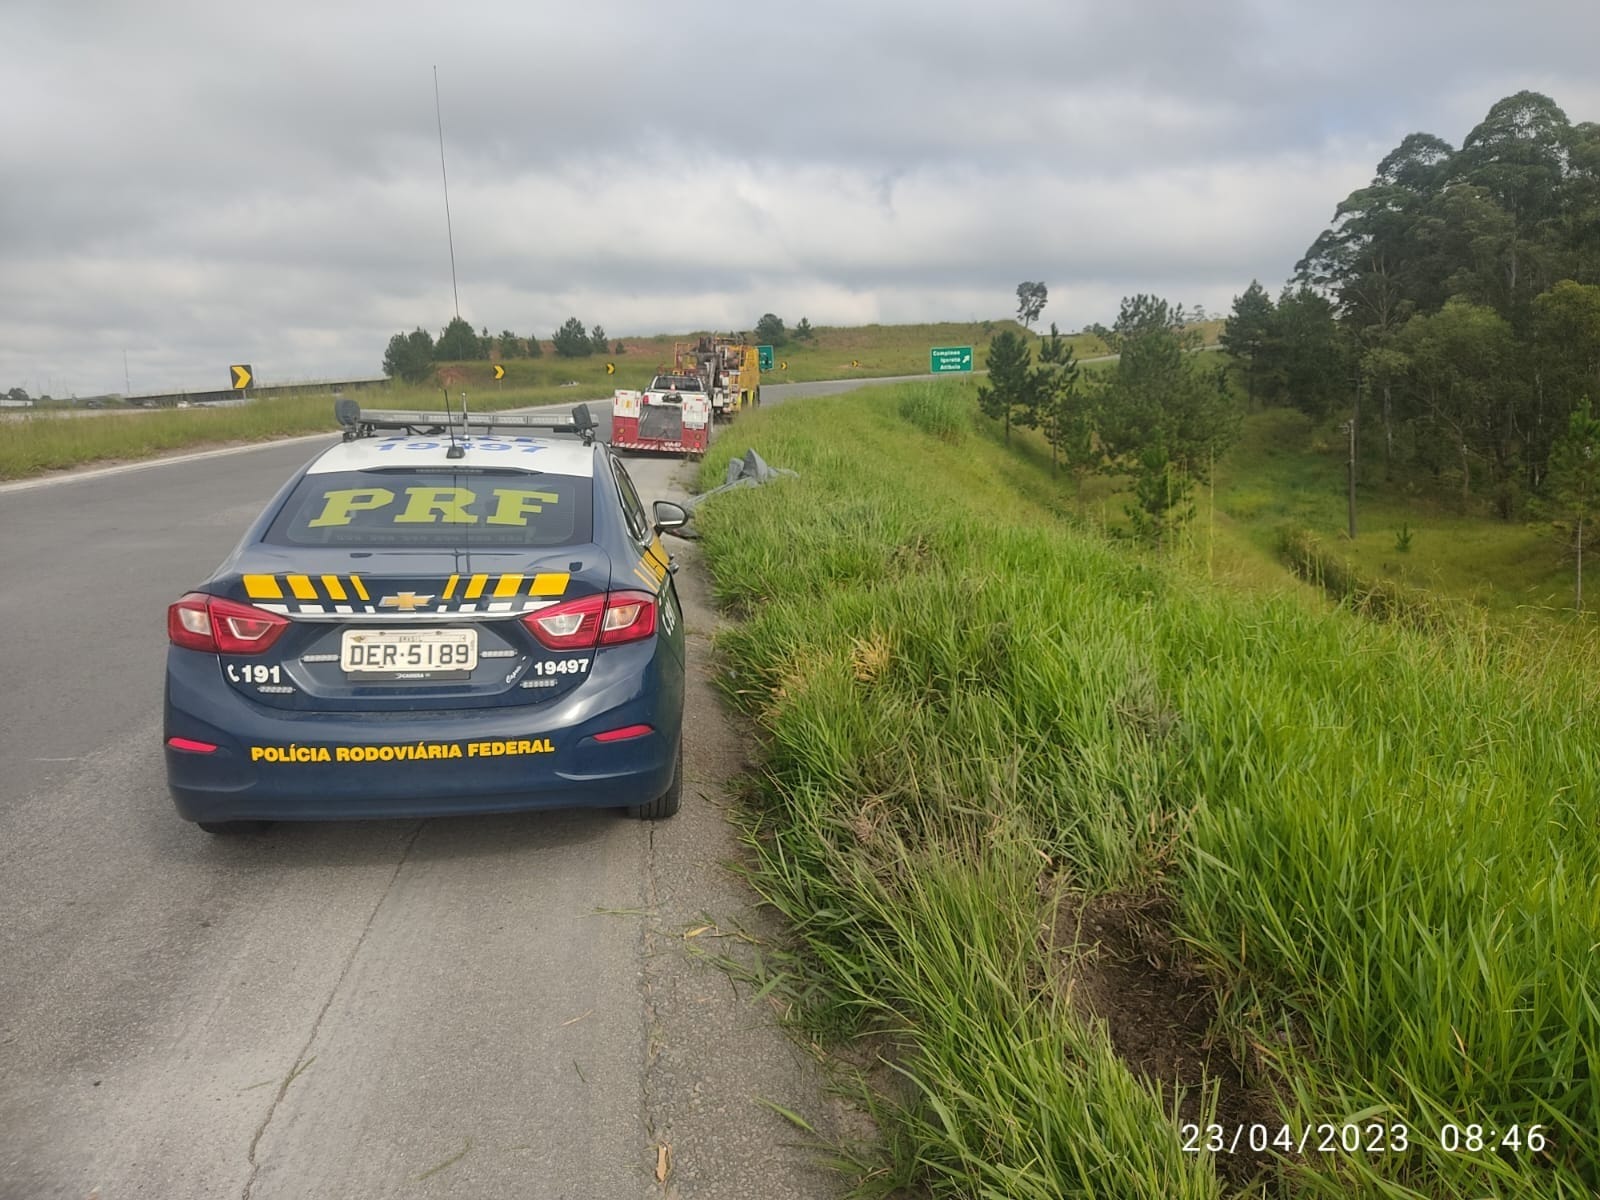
{"points": [[448, 232], [457, 450]]}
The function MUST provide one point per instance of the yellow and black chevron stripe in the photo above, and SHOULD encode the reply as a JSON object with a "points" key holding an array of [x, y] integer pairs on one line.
{"points": [[325, 595], [651, 568]]}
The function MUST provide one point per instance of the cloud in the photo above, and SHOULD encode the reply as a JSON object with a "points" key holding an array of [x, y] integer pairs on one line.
{"points": [[201, 183]]}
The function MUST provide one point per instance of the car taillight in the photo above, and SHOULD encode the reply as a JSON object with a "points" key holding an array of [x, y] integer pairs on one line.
{"points": [[596, 620], [571, 626], [629, 617], [202, 622]]}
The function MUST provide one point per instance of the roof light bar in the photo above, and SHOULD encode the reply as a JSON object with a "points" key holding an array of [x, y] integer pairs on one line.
{"points": [[365, 422]]}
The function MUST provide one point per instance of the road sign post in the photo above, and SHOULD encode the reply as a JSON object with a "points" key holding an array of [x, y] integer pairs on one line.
{"points": [[945, 360]]}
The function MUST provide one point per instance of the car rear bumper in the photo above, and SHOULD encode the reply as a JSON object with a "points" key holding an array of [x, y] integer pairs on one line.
{"points": [[271, 764]]}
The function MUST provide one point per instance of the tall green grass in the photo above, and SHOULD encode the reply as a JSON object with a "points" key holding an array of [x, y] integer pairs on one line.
{"points": [[937, 409], [1381, 844]]}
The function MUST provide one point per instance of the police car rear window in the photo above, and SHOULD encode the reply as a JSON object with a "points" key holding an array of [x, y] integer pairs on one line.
{"points": [[443, 508]]}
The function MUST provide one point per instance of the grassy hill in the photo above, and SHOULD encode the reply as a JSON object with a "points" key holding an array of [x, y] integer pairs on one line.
{"points": [[844, 352]]}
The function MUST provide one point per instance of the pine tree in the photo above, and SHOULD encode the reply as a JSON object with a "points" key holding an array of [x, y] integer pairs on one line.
{"points": [[1010, 377]]}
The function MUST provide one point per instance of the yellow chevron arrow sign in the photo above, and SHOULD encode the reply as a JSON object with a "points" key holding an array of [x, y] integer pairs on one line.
{"points": [[499, 371], [241, 376]]}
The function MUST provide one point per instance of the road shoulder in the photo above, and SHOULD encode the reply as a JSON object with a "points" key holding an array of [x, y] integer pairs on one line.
{"points": [[717, 1058]]}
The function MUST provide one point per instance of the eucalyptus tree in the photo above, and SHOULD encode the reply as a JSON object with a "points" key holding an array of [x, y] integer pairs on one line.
{"points": [[1031, 299]]}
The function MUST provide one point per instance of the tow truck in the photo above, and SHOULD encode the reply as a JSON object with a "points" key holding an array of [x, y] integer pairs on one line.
{"points": [[673, 415], [730, 369]]}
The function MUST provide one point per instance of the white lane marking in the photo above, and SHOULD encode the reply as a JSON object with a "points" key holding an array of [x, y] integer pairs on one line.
{"points": [[27, 485]]}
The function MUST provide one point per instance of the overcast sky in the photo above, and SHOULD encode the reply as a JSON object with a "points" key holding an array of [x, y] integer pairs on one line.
{"points": [[198, 184]]}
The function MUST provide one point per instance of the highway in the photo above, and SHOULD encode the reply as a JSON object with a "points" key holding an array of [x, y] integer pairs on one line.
{"points": [[473, 1007]]}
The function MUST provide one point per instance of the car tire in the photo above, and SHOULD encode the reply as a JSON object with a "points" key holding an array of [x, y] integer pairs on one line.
{"points": [[666, 804], [233, 828]]}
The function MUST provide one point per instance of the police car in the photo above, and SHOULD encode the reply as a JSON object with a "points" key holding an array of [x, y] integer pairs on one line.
{"points": [[441, 614]]}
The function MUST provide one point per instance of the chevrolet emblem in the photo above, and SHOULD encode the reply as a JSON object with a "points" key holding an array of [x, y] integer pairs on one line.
{"points": [[406, 601]]}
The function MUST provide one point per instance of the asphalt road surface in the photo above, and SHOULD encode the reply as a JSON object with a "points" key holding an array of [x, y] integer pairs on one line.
{"points": [[508, 1006]]}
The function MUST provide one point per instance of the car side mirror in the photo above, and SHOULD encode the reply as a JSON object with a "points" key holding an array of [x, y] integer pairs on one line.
{"points": [[670, 516]]}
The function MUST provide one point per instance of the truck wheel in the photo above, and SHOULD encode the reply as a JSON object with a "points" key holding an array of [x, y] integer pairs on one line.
{"points": [[666, 804]]}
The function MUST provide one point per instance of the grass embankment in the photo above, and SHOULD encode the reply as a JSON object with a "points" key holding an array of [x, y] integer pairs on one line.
{"points": [[38, 444], [984, 732]]}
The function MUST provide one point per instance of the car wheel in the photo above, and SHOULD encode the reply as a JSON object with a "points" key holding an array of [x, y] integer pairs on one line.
{"points": [[233, 828], [666, 804]]}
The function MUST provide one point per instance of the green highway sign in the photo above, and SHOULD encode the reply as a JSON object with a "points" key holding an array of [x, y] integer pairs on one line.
{"points": [[765, 361], [943, 359]]}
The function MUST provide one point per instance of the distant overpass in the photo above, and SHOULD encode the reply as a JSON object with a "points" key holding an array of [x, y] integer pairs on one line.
{"points": [[233, 396]]}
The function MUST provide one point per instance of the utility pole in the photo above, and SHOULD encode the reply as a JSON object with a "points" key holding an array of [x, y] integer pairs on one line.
{"points": [[1352, 427]]}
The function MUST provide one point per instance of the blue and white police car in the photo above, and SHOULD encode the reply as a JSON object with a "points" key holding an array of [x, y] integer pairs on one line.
{"points": [[441, 614]]}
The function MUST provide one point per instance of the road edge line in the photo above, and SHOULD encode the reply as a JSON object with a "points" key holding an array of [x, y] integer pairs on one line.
{"points": [[27, 485]]}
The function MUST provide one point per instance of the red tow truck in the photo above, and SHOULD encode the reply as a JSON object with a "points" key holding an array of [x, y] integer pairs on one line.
{"points": [[673, 414]]}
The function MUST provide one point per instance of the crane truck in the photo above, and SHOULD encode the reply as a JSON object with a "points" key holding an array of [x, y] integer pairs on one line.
{"points": [[730, 368]]}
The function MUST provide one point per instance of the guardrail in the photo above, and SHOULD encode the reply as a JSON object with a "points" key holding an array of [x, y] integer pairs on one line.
{"points": [[230, 396]]}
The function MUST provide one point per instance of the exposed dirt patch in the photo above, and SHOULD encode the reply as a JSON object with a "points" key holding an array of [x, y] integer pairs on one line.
{"points": [[1119, 967]]}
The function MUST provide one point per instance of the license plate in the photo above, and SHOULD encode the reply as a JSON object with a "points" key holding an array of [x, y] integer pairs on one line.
{"points": [[408, 653]]}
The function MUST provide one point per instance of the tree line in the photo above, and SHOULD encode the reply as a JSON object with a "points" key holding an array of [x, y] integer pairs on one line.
{"points": [[771, 331], [411, 357], [1158, 418], [1452, 308]]}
